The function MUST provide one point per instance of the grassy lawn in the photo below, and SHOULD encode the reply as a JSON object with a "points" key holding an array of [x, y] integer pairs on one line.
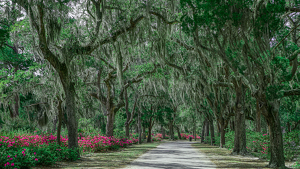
{"points": [[222, 158], [116, 159]]}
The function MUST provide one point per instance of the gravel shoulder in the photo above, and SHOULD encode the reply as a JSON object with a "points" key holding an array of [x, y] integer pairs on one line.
{"points": [[175, 154]]}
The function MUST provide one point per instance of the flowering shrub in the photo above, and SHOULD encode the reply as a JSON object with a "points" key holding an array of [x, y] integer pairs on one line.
{"points": [[30, 150], [25, 157], [183, 136], [103, 143], [187, 136], [259, 143], [157, 137]]}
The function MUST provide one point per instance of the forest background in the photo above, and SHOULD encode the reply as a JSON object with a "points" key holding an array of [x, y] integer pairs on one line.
{"points": [[111, 67]]}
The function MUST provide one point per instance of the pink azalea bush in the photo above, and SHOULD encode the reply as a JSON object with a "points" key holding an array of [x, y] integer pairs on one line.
{"points": [[157, 137], [187, 136], [30, 150], [259, 143], [103, 143]]}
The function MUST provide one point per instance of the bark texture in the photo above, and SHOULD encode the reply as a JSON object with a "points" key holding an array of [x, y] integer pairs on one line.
{"points": [[258, 118], [149, 139], [60, 115], [240, 126], [203, 129], [163, 132], [110, 124], [206, 130], [71, 113], [129, 116], [171, 130], [212, 132], [271, 114], [178, 132], [144, 132], [140, 127]]}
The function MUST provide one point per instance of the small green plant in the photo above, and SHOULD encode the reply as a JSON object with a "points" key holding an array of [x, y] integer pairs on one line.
{"points": [[291, 144], [119, 133], [296, 165], [229, 139]]}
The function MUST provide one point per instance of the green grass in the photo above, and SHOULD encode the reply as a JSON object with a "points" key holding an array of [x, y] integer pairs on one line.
{"points": [[223, 159], [116, 159]]}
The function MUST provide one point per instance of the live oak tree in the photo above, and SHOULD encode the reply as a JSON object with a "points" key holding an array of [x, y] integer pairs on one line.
{"points": [[109, 100], [250, 36], [50, 21], [221, 56]]}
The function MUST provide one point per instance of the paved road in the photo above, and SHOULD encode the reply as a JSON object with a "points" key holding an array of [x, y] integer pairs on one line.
{"points": [[177, 154]]}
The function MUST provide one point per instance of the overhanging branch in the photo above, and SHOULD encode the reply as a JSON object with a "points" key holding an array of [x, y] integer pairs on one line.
{"points": [[113, 37]]}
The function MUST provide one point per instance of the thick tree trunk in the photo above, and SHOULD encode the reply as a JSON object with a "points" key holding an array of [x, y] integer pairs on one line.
{"points": [[240, 127], [127, 131], [195, 134], [240, 134], [140, 127], [258, 118], [203, 129], [110, 124], [136, 128], [218, 129], [149, 131], [232, 125], [17, 105], [128, 114], [71, 113], [60, 115], [171, 130], [54, 124], [223, 124], [276, 142], [178, 132], [144, 132], [163, 132], [194, 128], [212, 132], [206, 130], [222, 137]]}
